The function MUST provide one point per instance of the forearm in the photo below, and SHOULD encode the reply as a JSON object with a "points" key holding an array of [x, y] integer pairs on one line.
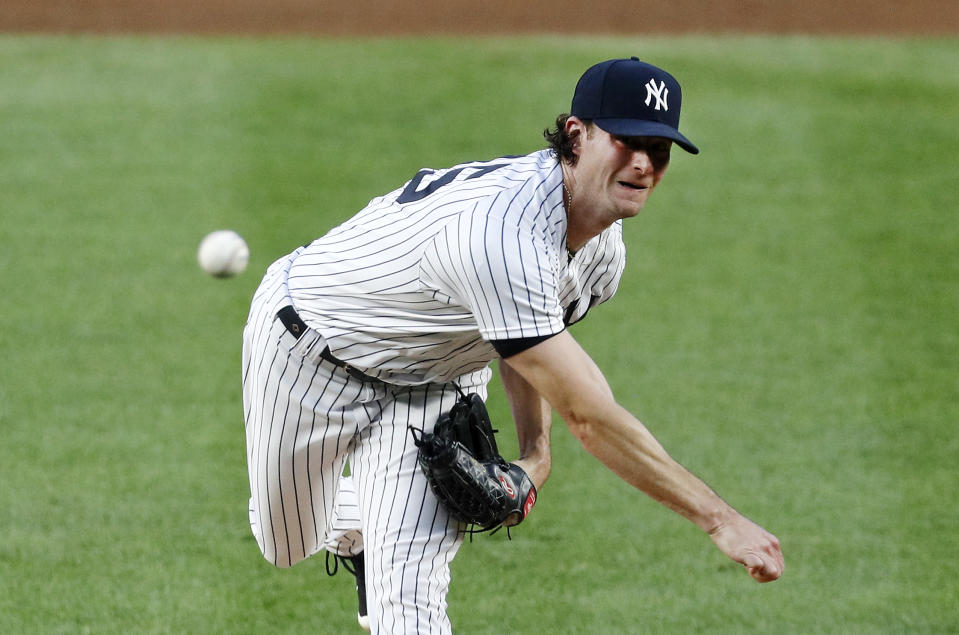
{"points": [[625, 446], [533, 419], [576, 388], [572, 383]]}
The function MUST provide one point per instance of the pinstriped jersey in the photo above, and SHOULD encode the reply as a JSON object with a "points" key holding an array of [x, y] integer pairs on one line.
{"points": [[413, 287]]}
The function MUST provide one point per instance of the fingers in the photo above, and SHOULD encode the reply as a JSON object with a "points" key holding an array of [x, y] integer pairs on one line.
{"points": [[765, 569], [761, 571]]}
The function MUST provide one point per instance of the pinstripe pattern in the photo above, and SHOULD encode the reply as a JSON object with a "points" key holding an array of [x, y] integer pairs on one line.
{"points": [[345, 537], [300, 422], [304, 418], [409, 290], [410, 538]]}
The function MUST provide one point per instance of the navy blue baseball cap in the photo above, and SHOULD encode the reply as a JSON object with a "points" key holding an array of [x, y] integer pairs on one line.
{"points": [[631, 98]]}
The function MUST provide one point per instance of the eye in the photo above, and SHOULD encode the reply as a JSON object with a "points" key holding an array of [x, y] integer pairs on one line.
{"points": [[660, 146], [651, 145]]}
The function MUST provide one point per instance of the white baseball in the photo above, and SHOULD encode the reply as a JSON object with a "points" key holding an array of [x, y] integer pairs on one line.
{"points": [[223, 253]]}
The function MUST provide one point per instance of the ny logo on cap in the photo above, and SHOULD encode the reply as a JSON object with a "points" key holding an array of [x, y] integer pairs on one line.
{"points": [[659, 92]]}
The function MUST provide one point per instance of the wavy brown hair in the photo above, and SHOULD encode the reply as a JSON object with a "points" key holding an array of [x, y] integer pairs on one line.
{"points": [[560, 143]]}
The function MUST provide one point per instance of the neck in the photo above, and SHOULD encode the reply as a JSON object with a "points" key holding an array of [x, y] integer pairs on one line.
{"points": [[581, 224], [572, 242], [578, 232]]}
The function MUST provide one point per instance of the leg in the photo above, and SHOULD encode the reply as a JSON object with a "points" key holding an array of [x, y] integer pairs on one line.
{"points": [[300, 422], [410, 538]]}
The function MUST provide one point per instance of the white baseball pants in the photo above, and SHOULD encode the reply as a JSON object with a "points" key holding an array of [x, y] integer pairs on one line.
{"points": [[305, 417]]}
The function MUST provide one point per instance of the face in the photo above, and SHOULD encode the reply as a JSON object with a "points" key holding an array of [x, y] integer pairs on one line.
{"points": [[614, 176]]}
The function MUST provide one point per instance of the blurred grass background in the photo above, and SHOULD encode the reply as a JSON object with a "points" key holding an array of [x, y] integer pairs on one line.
{"points": [[787, 325]]}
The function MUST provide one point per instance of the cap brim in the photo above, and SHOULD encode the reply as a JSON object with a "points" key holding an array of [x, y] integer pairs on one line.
{"points": [[644, 128]]}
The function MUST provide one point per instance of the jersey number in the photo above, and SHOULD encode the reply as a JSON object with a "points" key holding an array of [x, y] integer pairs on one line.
{"points": [[411, 193]]}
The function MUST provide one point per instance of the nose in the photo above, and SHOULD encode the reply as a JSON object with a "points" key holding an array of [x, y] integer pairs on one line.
{"points": [[641, 162]]}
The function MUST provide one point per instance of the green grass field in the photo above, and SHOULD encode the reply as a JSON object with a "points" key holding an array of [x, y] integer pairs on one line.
{"points": [[788, 326]]}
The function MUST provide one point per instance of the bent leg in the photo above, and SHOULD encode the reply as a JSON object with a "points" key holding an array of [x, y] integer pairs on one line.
{"points": [[300, 423]]}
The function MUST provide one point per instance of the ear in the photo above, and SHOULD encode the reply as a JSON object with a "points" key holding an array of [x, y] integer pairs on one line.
{"points": [[576, 131]]}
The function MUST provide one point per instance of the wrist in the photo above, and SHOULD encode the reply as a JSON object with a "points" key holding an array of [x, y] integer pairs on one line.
{"points": [[714, 519], [537, 467]]}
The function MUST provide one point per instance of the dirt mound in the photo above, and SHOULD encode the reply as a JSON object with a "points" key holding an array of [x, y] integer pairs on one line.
{"points": [[384, 17]]}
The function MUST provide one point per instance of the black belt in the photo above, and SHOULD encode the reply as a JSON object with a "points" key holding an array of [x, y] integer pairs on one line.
{"points": [[297, 328]]}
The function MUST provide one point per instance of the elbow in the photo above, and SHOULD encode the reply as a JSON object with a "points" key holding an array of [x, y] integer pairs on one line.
{"points": [[582, 426], [584, 433], [588, 421]]}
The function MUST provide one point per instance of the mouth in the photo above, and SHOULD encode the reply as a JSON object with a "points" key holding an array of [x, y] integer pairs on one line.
{"points": [[633, 186]]}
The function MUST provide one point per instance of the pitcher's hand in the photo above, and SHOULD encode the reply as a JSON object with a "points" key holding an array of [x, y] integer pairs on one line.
{"points": [[752, 546]]}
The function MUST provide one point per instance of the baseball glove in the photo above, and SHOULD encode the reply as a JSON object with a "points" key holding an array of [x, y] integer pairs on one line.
{"points": [[467, 473]]}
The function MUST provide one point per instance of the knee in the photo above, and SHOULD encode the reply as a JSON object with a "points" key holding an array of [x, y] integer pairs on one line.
{"points": [[274, 554], [280, 560], [280, 564], [278, 548]]}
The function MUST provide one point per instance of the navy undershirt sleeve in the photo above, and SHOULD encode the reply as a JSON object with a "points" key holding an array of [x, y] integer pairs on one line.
{"points": [[510, 347]]}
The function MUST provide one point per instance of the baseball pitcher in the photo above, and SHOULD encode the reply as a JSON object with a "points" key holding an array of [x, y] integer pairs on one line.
{"points": [[367, 354]]}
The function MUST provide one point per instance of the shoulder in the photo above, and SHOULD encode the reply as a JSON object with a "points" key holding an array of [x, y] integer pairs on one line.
{"points": [[533, 201], [474, 178]]}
